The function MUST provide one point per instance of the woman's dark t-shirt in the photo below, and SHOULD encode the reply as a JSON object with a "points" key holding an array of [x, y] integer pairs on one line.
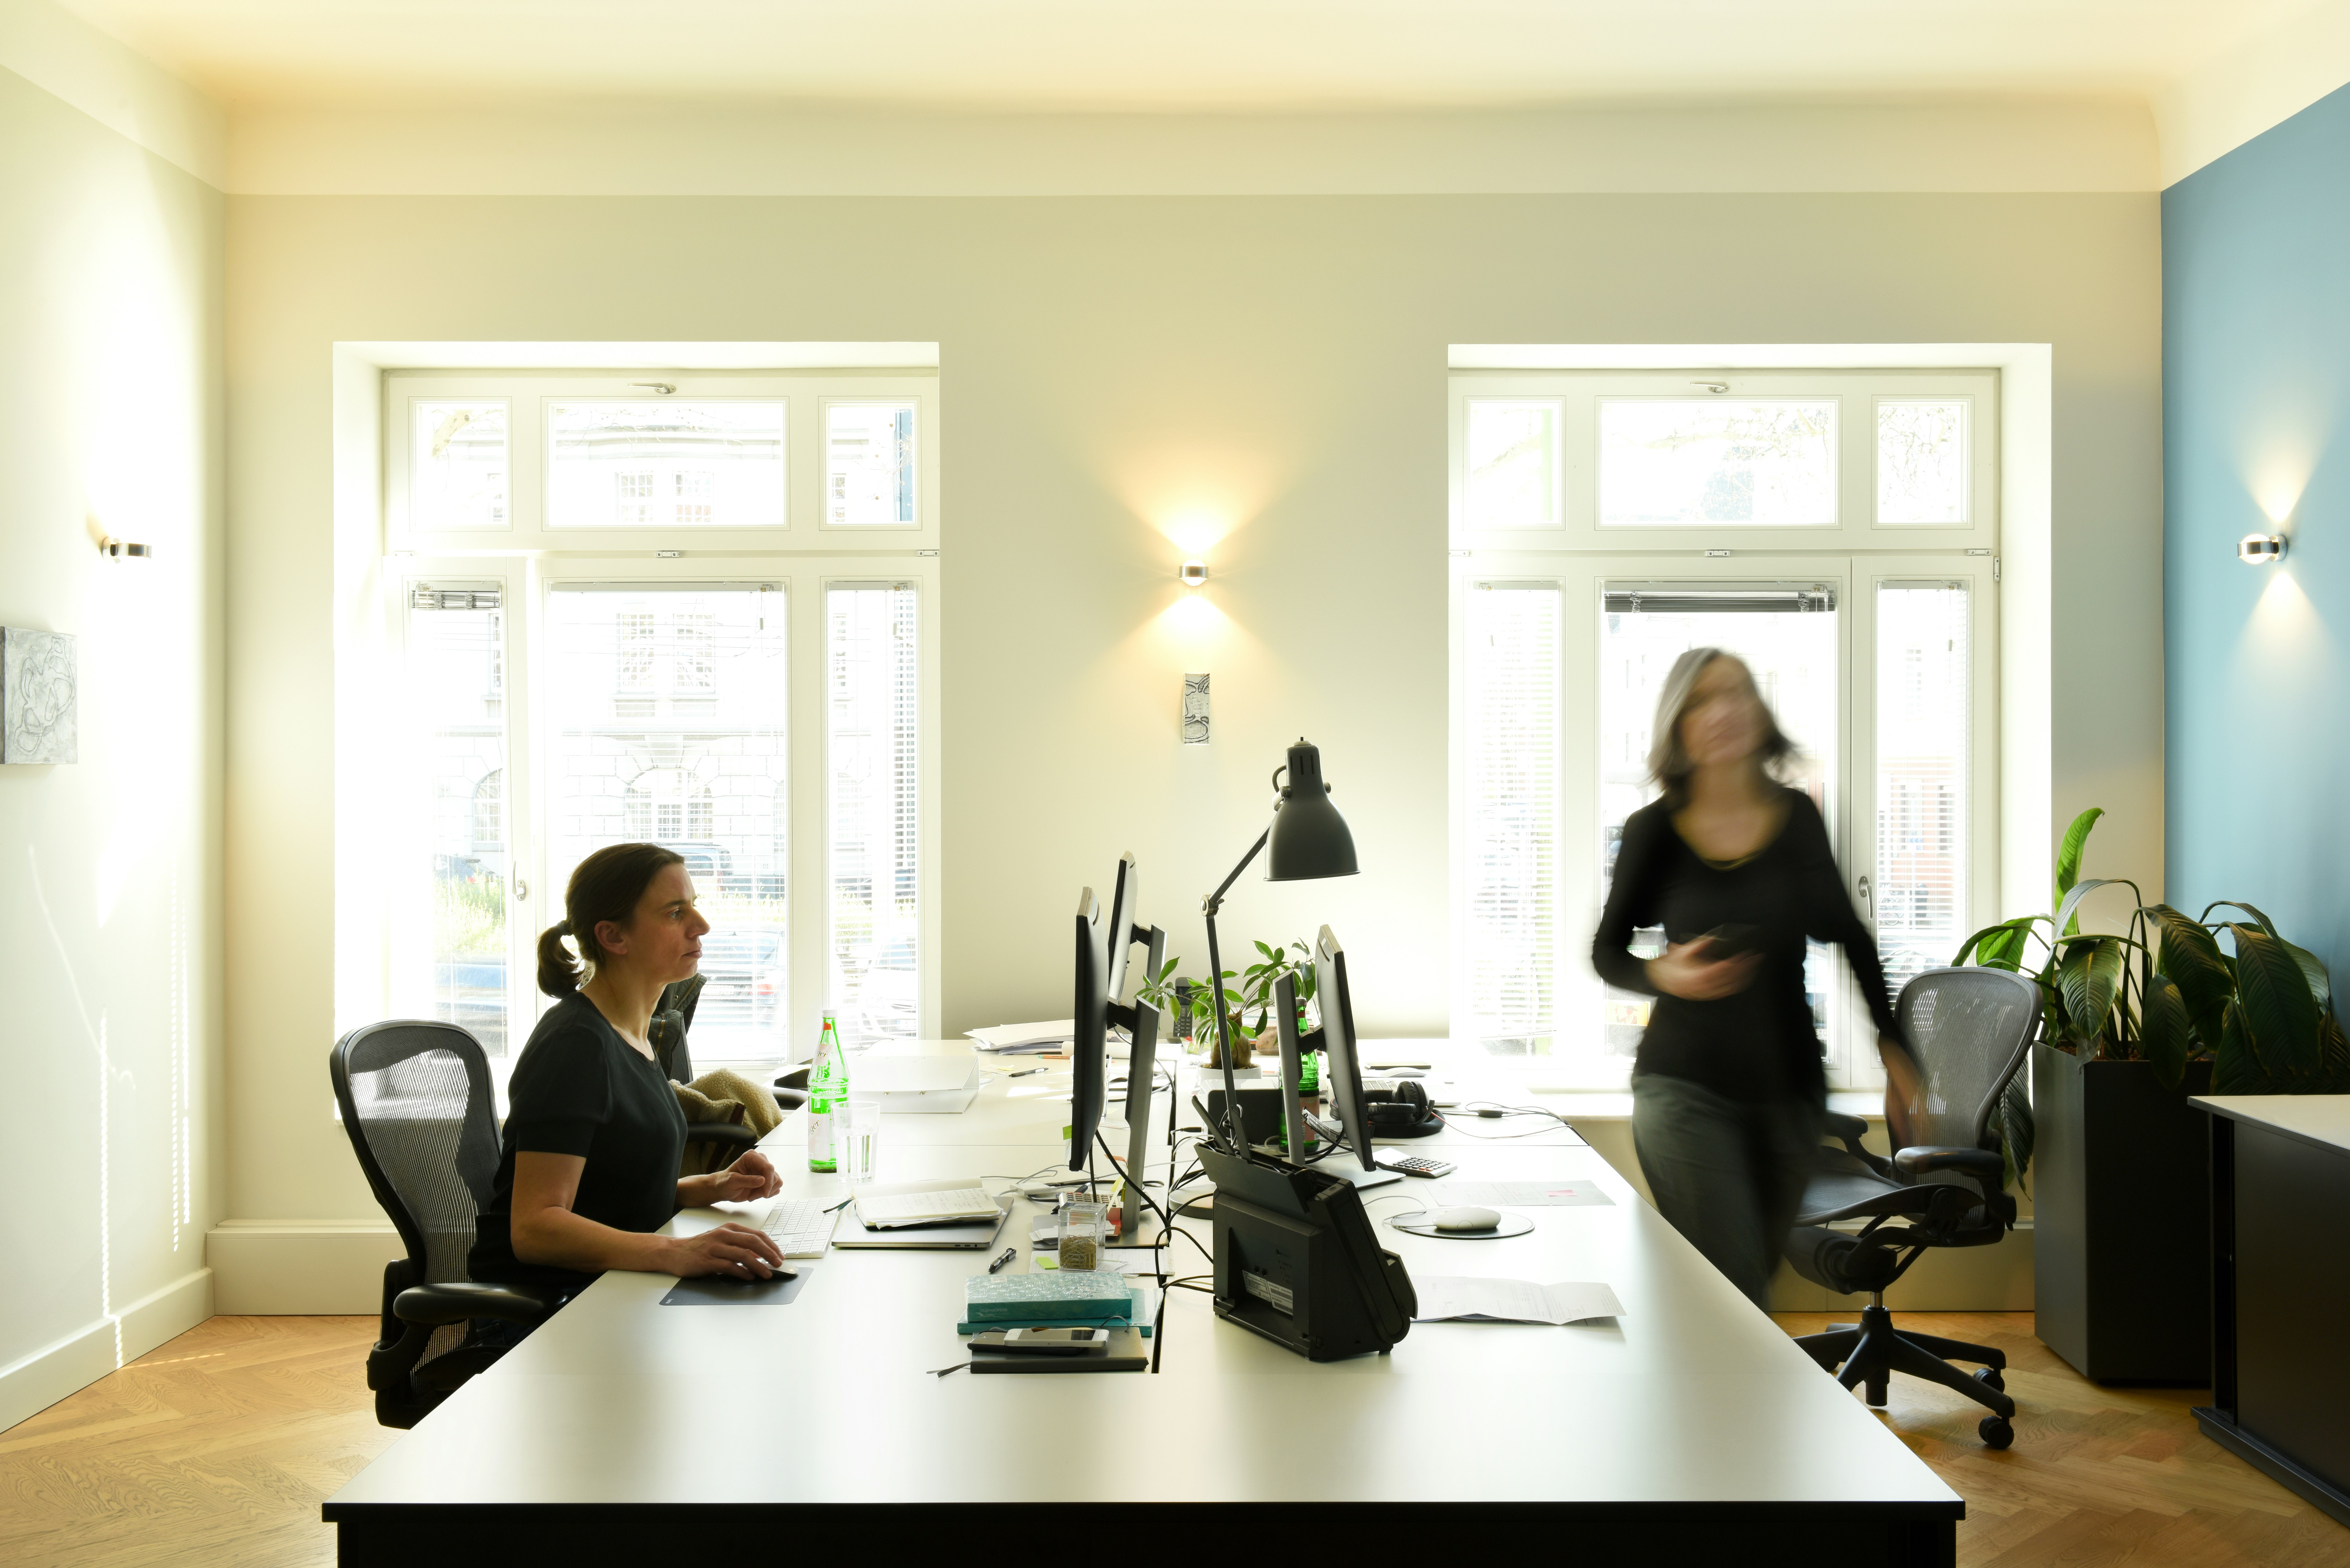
{"points": [[579, 1088], [1759, 1044]]}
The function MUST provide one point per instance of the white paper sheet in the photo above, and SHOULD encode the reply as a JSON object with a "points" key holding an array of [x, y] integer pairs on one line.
{"points": [[1025, 1036], [1445, 1296]]}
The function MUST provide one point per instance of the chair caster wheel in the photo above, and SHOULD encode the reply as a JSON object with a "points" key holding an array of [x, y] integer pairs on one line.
{"points": [[1996, 1432], [1990, 1378]]}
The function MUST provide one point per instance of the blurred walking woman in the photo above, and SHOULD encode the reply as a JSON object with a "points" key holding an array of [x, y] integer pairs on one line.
{"points": [[594, 1134], [1728, 1088]]}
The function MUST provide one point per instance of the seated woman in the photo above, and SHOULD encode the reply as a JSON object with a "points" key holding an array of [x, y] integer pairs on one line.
{"points": [[592, 1138]]}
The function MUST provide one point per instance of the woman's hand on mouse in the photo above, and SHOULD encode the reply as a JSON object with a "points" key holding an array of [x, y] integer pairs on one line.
{"points": [[730, 1249], [1687, 972], [753, 1175]]}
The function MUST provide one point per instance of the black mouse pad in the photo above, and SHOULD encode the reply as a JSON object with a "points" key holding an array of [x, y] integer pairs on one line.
{"points": [[718, 1289]]}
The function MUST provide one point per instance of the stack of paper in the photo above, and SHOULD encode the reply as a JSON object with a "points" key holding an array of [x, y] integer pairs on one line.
{"points": [[1025, 1039], [1511, 1300], [947, 1083]]}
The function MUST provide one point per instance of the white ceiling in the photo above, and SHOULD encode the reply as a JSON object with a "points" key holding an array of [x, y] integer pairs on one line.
{"points": [[1173, 54]]}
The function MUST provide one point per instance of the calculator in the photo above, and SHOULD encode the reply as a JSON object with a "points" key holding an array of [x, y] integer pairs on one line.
{"points": [[1419, 1165]]}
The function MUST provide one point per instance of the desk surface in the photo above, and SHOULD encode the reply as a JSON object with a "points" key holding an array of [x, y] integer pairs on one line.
{"points": [[2320, 1119], [1691, 1397]]}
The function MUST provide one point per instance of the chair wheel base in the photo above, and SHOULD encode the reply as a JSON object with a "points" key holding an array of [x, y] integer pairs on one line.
{"points": [[1996, 1432], [1990, 1378]]}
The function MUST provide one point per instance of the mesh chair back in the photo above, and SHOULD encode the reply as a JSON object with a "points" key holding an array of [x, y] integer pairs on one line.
{"points": [[417, 1102], [1969, 1029]]}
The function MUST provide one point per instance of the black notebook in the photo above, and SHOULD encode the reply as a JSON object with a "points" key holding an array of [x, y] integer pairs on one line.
{"points": [[1125, 1353]]}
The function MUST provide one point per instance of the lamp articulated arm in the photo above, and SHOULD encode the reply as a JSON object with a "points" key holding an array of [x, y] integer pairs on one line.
{"points": [[1234, 1139]]}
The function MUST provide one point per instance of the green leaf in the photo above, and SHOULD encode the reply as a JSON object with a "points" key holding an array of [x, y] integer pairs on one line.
{"points": [[2333, 1051], [2088, 977], [2167, 1034], [2312, 969], [2194, 961], [2280, 1014], [2000, 933], [2068, 854], [2066, 921], [2262, 920], [2018, 1131], [2235, 1069]]}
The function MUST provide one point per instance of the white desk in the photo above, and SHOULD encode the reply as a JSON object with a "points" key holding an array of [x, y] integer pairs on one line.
{"points": [[1689, 1428]]}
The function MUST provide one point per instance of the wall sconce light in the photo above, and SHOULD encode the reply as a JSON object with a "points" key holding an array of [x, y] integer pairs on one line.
{"points": [[2260, 549], [111, 546], [1194, 572]]}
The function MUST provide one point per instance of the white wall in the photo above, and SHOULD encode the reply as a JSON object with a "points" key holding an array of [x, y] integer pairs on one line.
{"points": [[111, 325], [2264, 81], [1117, 371]]}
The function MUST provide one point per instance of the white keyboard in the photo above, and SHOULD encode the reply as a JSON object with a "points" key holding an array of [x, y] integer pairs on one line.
{"points": [[801, 1226], [966, 1203]]}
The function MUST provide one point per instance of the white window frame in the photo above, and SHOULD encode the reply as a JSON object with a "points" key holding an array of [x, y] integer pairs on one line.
{"points": [[1577, 394], [806, 397], [1854, 558], [801, 558]]}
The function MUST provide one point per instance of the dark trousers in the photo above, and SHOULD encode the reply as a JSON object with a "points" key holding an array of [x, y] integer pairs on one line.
{"points": [[1727, 1176]]}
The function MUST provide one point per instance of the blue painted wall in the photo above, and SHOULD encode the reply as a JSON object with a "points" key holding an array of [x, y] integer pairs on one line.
{"points": [[2256, 377]]}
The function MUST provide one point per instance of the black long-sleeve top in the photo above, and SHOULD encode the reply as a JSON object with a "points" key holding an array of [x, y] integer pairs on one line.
{"points": [[1758, 1044]]}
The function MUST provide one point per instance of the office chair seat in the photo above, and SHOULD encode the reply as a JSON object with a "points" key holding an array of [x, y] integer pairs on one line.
{"points": [[1969, 1030]]}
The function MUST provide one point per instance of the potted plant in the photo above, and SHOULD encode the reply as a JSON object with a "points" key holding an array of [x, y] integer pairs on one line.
{"points": [[1184, 1001], [2133, 1023]]}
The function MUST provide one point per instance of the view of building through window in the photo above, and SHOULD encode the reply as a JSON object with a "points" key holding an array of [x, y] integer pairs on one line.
{"points": [[872, 725], [671, 726]]}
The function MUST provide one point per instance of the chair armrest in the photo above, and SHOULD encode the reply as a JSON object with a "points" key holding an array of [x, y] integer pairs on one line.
{"points": [[1849, 1131], [797, 1078], [789, 1099], [458, 1300], [1980, 1162], [726, 1135]]}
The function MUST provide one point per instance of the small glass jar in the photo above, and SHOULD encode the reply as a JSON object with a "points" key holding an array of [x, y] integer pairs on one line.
{"points": [[1084, 1232]]}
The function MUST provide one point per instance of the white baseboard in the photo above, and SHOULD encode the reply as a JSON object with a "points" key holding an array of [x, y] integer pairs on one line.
{"points": [[308, 1268], [33, 1383]]}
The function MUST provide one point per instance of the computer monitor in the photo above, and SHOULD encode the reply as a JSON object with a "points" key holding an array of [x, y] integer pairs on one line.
{"points": [[1089, 1046], [1346, 1080], [1125, 897], [1103, 941]]}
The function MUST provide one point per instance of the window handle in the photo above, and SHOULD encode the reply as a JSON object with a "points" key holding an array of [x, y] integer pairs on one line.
{"points": [[1868, 909], [522, 889]]}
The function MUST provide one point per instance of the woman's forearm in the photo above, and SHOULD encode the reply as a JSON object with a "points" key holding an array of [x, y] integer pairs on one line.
{"points": [[558, 1239]]}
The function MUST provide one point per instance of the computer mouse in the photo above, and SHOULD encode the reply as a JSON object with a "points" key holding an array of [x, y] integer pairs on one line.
{"points": [[775, 1272], [1466, 1220]]}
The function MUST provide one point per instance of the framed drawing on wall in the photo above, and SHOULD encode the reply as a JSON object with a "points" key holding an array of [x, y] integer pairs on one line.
{"points": [[37, 696]]}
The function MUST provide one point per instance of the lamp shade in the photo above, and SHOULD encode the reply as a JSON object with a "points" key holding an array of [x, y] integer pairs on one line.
{"points": [[1308, 840]]}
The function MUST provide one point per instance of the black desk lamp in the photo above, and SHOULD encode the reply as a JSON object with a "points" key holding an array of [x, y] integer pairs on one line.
{"points": [[1309, 841]]}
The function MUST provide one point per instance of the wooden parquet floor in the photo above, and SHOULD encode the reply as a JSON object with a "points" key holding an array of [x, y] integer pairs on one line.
{"points": [[218, 1447], [215, 1449], [2097, 1475]]}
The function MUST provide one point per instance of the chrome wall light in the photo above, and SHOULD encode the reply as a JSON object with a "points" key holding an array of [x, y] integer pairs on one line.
{"points": [[2260, 549], [1194, 572], [113, 546]]}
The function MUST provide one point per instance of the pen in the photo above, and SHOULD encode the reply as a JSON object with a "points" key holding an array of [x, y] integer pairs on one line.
{"points": [[842, 1204], [1009, 1254]]}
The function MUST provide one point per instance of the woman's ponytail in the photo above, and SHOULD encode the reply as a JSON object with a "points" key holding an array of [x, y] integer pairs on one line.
{"points": [[606, 886], [558, 971]]}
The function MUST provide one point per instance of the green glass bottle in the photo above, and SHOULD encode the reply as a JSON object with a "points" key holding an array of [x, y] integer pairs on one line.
{"points": [[1309, 1090], [828, 1093]]}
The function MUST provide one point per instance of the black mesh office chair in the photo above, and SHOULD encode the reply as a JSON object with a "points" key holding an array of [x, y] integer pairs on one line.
{"points": [[673, 1018], [1969, 1030], [416, 1101]]}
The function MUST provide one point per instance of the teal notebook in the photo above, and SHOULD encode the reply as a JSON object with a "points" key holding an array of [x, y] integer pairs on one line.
{"points": [[1057, 1297]]}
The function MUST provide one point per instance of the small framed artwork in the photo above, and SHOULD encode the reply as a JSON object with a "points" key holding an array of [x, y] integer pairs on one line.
{"points": [[1195, 710], [37, 696]]}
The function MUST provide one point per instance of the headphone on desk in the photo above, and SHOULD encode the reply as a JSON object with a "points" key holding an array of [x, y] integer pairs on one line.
{"points": [[1398, 1108]]}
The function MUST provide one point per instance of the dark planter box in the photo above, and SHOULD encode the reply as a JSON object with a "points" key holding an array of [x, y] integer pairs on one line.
{"points": [[2121, 1228]]}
